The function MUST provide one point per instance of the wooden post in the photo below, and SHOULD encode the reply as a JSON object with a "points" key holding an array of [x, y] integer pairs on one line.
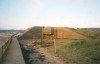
{"points": [[2, 54], [42, 36], [56, 33], [55, 37], [55, 46]]}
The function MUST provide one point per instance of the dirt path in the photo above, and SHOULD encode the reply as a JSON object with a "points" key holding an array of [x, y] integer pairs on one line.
{"points": [[50, 57], [14, 54]]}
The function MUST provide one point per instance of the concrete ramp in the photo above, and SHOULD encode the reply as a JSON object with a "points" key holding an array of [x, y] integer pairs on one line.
{"points": [[14, 54]]}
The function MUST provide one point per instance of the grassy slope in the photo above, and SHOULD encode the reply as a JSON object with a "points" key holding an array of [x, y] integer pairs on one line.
{"points": [[88, 33], [79, 52], [83, 52], [34, 32], [67, 33]]}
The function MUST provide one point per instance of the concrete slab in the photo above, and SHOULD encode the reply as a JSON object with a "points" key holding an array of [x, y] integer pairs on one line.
{"points": [[14, 54]]}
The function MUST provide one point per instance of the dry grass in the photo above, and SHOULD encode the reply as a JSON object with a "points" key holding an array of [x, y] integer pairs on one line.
{"points": [[67, 33], [4, 39], [84, 50], [59, 32], [87, 33], [79, 52]]}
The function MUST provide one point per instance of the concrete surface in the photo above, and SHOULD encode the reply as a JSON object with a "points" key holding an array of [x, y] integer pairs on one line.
{"points": [[14, 54]]}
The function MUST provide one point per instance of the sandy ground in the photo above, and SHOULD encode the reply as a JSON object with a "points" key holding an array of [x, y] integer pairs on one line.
{"points": [[49, 57]]}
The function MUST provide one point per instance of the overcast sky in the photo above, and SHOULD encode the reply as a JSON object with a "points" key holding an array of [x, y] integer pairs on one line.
{"points": [[25, 14]]}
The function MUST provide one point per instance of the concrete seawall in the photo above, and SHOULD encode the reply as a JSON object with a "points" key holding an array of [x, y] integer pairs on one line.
{"points": [[14, 54]]}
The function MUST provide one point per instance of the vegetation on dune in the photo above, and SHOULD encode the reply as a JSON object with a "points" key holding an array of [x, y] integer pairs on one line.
{"points": [[68, 33], [98, 36], [50, 32], [74, 46], [4, 39], [82, 52], [88, 33], [34, 32]]}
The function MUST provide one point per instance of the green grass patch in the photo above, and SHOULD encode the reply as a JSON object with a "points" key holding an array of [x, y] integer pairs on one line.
{"points": [[82, 52], [87, 33]]}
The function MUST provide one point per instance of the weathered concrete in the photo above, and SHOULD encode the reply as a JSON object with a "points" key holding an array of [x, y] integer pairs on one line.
{"points": [[14, 54]]}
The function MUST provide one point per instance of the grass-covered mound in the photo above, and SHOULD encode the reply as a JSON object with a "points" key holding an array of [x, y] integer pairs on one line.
{"points": [[82, 52], [88, 33]]}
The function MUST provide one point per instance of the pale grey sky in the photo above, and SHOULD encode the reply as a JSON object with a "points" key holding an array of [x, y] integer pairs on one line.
{"points": [[22, 15]]}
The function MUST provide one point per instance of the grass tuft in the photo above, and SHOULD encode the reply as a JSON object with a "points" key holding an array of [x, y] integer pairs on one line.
{"points": [[82, 52]]}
